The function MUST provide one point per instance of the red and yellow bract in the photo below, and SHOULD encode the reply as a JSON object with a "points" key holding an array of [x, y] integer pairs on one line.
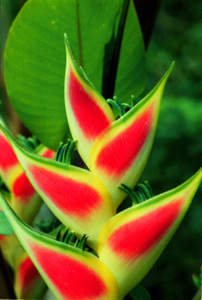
{"points": [[135, 238], [28, 281], [77, 197], [24, 200], [87, 111], [115, 151], [127, 243], [128, 246]]}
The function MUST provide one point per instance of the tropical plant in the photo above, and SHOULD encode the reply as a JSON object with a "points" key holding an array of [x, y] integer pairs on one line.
{"points": [[109, 230]]}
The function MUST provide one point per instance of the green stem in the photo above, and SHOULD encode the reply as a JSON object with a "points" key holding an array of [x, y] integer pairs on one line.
{"points": [[110, 72], [147, 12]]}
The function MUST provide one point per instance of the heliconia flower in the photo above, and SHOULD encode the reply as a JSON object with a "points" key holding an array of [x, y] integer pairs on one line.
{"points": [[8, 159], [69, 272], [120, 153], [128, 246], [76, 197], [131, 242], [115, 151], [28, 283], [2, 237], [87, 111], [24, 199]]}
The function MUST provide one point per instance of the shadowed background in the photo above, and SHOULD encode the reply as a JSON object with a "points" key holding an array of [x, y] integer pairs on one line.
{"points": [[177, 151]]}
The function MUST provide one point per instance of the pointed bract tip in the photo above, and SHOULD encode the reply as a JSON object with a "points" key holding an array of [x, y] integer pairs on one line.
{"points": [[196, 179], [167, 74], [163, 80], [192, 182], [66, 40]]}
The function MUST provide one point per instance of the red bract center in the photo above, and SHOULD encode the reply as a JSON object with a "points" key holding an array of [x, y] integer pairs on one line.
{"points": [[22, 188], [7, 156], [88, 114], [121, 152], [27, 273], [67, 194], [74, 280], [138, 236]]}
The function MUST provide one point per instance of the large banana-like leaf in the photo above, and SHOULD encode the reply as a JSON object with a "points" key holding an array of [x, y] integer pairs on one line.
{"points": [[35, 58]]}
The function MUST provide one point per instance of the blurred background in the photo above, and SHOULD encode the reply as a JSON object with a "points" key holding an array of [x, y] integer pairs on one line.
{"points": [[177, 151]]}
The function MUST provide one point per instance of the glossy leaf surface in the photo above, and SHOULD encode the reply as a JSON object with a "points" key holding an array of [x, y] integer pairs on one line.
{"points": [[35, 58]]}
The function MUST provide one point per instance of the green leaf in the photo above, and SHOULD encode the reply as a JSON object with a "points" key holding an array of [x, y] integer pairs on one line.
{"points": [[5, 227], [35, 58], [140, 293]]}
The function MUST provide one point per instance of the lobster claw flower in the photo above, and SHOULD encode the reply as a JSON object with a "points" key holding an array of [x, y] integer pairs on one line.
{"points": [[128, 246], [78, 198], [24, 199], [120, 153], [131, 242], [87, 111], [69, 272], [8, 159], [115, 151], [28, 283]]}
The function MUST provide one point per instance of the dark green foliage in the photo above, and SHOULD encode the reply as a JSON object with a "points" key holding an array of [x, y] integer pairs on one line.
{"points": [[177, 151], [177, 148], [176, 155], [35, 79], [138, 293], [178, 36]]}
